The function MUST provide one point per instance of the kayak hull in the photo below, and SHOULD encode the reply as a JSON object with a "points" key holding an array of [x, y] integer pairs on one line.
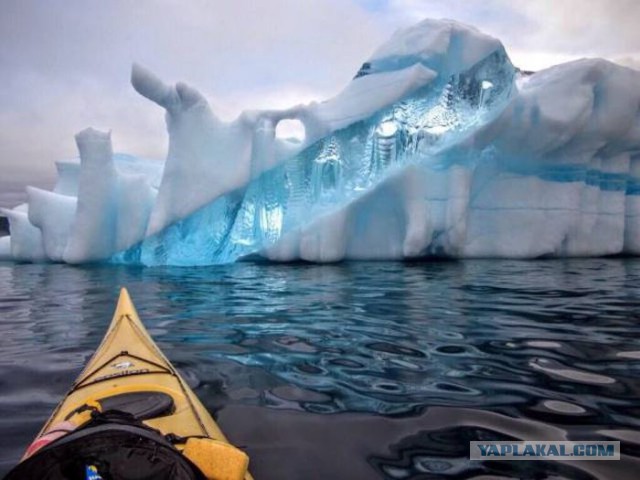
{"points": [[128, 362]]}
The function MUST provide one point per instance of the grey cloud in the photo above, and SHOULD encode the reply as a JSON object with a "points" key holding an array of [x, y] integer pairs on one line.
{"points": [[552, 29], [601, 27], [632, 61]]}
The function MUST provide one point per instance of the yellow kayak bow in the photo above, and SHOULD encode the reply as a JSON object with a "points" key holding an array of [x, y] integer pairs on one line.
{"points": [[128, 371]]}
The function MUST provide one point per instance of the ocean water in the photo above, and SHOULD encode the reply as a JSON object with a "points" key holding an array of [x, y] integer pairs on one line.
{"points": [[356, 370]]}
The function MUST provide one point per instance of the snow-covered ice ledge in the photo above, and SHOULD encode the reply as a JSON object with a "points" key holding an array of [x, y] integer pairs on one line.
{"points": [[439, 146]]}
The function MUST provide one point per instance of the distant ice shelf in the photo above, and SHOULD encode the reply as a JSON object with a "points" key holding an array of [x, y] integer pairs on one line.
{"points": [[438, 147]]}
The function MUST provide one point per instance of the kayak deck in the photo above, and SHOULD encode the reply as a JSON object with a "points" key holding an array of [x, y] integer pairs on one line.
{"points": [[128, 361]]}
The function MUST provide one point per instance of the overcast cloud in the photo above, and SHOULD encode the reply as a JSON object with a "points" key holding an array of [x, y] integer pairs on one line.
{"points": [[65, 65]]}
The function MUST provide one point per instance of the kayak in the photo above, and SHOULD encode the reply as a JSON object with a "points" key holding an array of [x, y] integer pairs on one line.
{"points": [[130, 415]]}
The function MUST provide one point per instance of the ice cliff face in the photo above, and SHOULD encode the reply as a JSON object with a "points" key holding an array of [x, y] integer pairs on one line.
{"points": [[439, 146]]}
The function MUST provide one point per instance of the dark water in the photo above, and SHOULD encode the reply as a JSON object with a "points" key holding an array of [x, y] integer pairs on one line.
{"points": [[355, 371]]}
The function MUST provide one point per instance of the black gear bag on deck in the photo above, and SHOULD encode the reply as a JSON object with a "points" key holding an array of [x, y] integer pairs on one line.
{"points": [[111, 446]]}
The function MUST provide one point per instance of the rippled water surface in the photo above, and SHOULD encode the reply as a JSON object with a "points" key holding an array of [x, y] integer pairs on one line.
{"points": [[355, 371]]}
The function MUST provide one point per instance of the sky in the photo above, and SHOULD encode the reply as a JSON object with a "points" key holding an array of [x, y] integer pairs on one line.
{"points": [[65, 64]]}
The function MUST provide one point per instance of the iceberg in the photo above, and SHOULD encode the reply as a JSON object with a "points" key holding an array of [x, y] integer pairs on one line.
{"points": [[439, 146]]}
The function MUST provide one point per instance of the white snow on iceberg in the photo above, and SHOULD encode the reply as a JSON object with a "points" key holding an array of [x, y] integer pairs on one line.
{"points": [[438, 147]]}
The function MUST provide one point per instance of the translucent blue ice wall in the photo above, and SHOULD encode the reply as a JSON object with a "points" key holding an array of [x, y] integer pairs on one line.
{"points": [[335, 170]]}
